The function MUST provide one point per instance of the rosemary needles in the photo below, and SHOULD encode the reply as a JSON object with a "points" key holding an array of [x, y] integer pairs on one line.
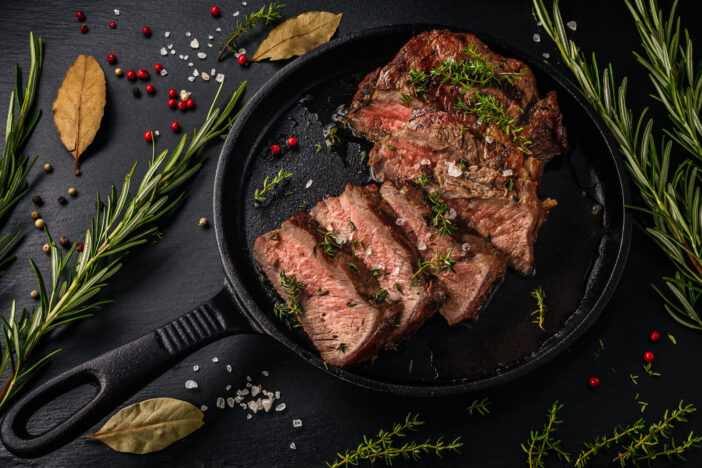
{"points": [[125, 221], [383, 446], [267, 14], [20, 124]]}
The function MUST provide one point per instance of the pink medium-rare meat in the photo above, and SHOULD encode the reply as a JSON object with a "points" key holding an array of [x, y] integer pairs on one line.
{"points": [[342, 324], [356, 217], [478, 265]]}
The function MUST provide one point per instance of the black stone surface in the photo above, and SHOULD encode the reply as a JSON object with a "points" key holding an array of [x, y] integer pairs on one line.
{"points": [[161, 282]]}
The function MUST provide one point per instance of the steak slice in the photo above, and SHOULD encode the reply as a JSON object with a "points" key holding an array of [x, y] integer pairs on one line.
{"points": [[342, 324], [358, 217], [478, 265]]}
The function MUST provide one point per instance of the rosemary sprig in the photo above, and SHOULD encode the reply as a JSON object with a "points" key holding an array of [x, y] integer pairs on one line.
{"points": [[479, 406], [443, 262], [671, 197], [267, 14], [540, 312], [268, 186], [125, 221], [20, 124], [381, 447], [441, 210], [542, 443], [293, 289]]}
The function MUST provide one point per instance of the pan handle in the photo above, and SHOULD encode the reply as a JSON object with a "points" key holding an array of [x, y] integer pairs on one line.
{"points": [[118, 374]]}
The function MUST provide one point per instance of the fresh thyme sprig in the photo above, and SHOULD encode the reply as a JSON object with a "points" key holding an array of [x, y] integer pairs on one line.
{"points": [[268, 186], [125, 221], [671, 197], [379, 296], [293, 289], [381, 447], [20, 124], [640, 448], [443, 262], [441, 210], [540, 312], [267, 14], [330, 245], [476, 71], [479, 406], [605, 442], [542, 443]]}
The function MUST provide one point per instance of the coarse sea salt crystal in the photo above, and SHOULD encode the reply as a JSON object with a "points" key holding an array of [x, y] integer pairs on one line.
{"points": [[228, 387], [252, 406], [229, 367], [196, 368], [187, 34], [308, 184], [421, 246], [215, 359], [572, 25], [190, 384], [536, 37], [209, 45], [454, 170], [157, 133], [170, 46], [172, 51], [220, 403], [280, 407], [243, 3], [255, 390], [195, 72], [245, 392], [248, 416], [191, 78], [267, 403], [218, 29], [231, 402], [297, 422], [167, 34], [202, 55], [205, 76], [451, 214], [292, 445], [203, 408], [248, 378], [400, 221], [236, 13], [277, 394], [212, 72], [507, 172], [210, 37], [465, 247], [190, 64], [180, 56], [116, 11], [546, 55], [424, 162], [163, 72], [265, 373], [194, 44], [164, 51]]}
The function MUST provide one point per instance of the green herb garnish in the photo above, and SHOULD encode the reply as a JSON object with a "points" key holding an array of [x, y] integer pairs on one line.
{"points": [[268, 186]]}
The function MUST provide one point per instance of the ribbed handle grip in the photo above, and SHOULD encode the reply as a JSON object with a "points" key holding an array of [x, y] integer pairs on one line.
{"points": [[117, 375]]}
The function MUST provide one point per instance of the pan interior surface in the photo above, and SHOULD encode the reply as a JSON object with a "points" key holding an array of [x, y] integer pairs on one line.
{"points": [[579, 253]]}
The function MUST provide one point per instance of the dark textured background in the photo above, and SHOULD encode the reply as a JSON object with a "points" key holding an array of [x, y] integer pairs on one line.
{"points": [[182, 270]]}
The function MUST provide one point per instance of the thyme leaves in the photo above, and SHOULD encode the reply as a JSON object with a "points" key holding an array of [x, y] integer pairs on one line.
{"points": [[441, 214], [293, 289], [540, 312], [270, 185]]}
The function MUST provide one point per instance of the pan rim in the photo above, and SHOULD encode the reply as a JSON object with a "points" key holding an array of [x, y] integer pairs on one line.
{"points": [[261, 322]]}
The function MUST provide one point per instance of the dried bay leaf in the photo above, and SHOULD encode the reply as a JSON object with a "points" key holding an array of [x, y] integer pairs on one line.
{"points": [[298, 35], [149, 426], [80, 105]]}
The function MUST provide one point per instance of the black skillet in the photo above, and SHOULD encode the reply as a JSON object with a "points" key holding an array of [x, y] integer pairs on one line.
{"points": [[580, 254]]}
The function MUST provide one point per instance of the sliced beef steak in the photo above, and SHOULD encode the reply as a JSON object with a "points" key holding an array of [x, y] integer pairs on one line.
{"points": [[342, 324], [478, 265], [358, 218]]}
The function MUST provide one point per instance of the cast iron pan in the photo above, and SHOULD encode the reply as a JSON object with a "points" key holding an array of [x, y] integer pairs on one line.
{"points": [[579, 257]]}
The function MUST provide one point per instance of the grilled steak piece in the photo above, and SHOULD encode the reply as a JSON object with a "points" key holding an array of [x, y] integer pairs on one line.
{"points": [[358, 217], [478, 265], [336, 313]]}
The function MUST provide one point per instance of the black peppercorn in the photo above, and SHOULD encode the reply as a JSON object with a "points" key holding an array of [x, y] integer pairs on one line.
{"points": [[136, 92], [62, 201], [36, 199]]}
